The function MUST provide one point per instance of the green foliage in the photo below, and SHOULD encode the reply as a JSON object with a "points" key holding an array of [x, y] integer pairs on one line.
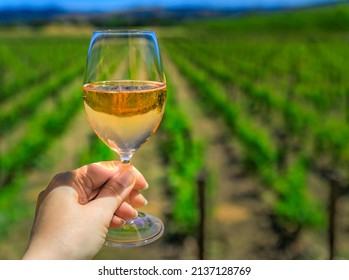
{"points": [[32, 98], [295, 204], [12, 207], [43, 127], [184, 158], [32, 60], [279, 83], [33, 73], [96, 151], [323, 19]]}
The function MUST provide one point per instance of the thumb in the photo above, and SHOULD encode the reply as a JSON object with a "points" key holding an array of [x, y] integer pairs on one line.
{"points": [[115, 191]]}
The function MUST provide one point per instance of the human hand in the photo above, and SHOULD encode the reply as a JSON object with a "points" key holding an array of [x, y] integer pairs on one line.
{"points": [[74, 212]]}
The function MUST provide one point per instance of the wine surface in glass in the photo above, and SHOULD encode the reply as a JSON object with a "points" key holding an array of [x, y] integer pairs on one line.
{"points": [[124, 114]]}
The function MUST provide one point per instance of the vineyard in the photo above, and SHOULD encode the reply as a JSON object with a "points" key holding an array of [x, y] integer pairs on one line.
{"points": [[250, 161]]}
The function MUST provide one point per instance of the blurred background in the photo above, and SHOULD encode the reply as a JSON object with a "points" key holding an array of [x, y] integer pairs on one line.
{"points": [[251, 159]]}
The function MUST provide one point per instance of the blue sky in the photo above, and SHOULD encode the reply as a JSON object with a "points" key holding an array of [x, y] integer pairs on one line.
{"points": [[119, 4]]}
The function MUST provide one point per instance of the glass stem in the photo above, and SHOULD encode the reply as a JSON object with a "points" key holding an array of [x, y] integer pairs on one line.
{"points": [[125, 158], [125, 161]]}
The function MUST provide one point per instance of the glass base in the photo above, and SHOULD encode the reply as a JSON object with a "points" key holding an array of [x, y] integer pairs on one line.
{"points": [[137, 232]]}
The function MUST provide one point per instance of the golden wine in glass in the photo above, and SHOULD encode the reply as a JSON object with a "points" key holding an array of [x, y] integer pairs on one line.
{"points": [[124, 94]]}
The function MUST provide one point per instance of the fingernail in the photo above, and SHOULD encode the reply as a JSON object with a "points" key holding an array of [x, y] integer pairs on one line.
{"points": [[145, 202], [127, 178], [136, 214], [146, 187], [123, 222]]}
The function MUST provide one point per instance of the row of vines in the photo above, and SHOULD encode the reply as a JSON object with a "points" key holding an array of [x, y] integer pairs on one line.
{"points": [[39, 99], [285, 98], [41, 96]]}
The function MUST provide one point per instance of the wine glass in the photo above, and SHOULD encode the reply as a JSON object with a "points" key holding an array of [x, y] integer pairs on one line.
{"points": [[124, 94]]}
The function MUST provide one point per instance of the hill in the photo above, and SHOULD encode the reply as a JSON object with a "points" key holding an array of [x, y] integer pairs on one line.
{"points": [[157, 16]]}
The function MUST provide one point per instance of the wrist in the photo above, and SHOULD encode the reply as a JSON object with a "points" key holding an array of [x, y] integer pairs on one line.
{"points": [[42, 251]]}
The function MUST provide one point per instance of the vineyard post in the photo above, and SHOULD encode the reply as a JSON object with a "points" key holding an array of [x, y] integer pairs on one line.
{"points": [[347, 106], [201, 183], [332, 217]]}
